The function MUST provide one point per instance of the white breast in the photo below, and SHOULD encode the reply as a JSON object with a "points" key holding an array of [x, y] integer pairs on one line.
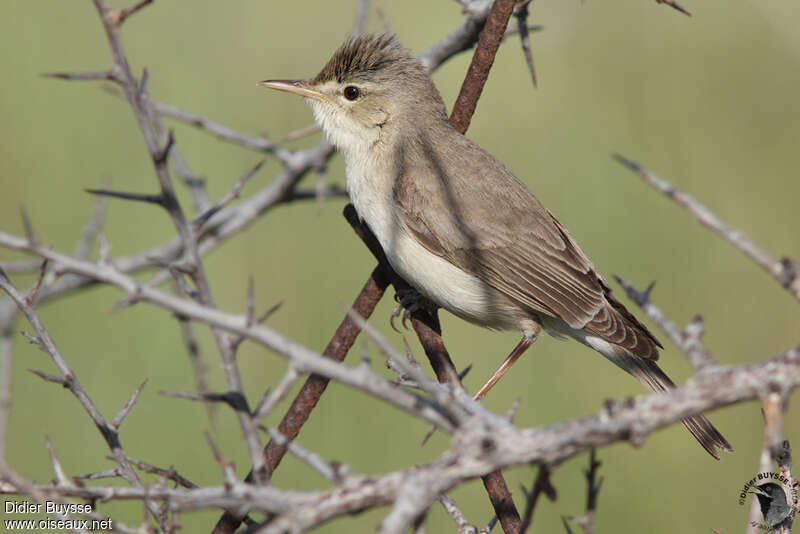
{"points": [[448, 286]]}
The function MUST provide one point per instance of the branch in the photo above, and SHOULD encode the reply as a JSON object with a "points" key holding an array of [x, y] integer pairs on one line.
{"points": [[783, 271], [159, 152], [479, 449], [304, 359], [482, 61], [688, 340], [70, 381], [675, 5]]}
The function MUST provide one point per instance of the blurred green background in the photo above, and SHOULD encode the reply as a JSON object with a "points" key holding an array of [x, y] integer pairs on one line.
{"points": [[709, 103]]}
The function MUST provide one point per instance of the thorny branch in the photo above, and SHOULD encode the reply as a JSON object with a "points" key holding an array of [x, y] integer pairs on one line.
{"points": [[482, 441], [784, 271]]}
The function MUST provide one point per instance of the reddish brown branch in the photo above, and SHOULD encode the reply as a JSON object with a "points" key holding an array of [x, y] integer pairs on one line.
{"points": [[425, 324], [464, 108], [482, 60], [429, 332], [315, 385]]}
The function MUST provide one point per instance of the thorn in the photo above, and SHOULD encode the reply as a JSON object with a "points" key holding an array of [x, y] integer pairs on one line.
{"points": [[632, 165], [512, 411], [102, 75], [137, 197], [143, 83], [61, 477], [675, 5], [128, 300], [525, 39], [33, 340], [118, 16], [29, 232], [162, 156], [228, 197], [646, 292], [50, 378], [31, 297], [463, 373], [117, 421]]}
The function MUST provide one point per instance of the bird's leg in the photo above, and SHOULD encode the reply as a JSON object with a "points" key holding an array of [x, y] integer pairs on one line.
{"points": [[409, 301], [525, 342]]}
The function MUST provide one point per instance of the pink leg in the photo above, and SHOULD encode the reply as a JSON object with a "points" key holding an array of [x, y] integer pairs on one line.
{"points": [[506, 365]]}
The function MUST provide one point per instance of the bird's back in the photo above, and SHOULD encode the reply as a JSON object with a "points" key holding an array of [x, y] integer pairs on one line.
{"points": [[477, 215]]}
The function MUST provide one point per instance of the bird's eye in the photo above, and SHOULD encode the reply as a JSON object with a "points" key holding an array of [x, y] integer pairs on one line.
{"points": [[351, 92]]}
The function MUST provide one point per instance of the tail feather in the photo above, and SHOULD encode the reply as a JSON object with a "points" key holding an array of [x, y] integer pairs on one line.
{"points": [[616, 334], [650, 374]]}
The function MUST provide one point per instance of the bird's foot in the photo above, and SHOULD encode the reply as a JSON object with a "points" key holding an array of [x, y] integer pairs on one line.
{"points": [[408, 302]]}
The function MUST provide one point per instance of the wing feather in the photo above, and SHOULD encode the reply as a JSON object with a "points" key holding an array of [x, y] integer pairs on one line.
{"points": [[498, 231]]}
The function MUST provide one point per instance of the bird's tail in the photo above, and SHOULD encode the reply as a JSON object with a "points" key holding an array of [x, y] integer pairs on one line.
{"points": [[617, 335], [650, 374]]}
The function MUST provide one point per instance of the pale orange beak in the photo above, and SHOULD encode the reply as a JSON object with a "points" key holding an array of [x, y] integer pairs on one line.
{"points": [[297, 87]]}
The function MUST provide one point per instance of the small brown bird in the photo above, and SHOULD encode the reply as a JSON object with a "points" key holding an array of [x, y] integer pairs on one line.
{"points": [[457, 225]]}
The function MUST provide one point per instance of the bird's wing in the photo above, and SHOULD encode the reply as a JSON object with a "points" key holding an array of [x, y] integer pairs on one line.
{"points": [[497, 230]]}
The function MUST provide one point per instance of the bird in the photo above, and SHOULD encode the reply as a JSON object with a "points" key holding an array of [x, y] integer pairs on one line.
{"points": [[772, 500], [457, 225]]}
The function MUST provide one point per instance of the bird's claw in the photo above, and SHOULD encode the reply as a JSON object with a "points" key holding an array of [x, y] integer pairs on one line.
{"points": [[408, 302]]}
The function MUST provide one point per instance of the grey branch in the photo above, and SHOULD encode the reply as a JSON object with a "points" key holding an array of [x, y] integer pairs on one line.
{"points": [[304, 359], [688, 341], [159, 150], [784, 271], [70, 381]]}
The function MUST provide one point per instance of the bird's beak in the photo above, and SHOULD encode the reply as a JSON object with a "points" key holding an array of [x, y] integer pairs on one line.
{"points": [[297, 87]]}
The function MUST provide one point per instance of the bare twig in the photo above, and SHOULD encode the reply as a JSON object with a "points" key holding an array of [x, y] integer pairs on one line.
{"points": [[308, 457], [30, 298], [170, 473], [159, 152], [508, 446], [482, 62], [234, 399], [314, 386], [232, 194], [30, 233], [103, 75], [117, 421], [784, 271], [124, 195], [268, 403], [549, 445], [300, 133], [675, 5], [688, 340], [521, 13], [90, 232], [70, 381], [450, 506], [540, 485], [198, 364], [61, 477], [123, 14], [225, 133]]}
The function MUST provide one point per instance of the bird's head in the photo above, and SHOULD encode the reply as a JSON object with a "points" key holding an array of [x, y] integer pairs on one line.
{"points": [[370, 89]]}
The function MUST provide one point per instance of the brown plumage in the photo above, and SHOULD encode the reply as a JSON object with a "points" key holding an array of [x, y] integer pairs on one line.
{"points": [[360, 58], [458, 225]]}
